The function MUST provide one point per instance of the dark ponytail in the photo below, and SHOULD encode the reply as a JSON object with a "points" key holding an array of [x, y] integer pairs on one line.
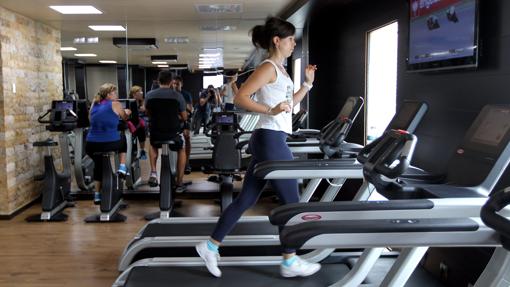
{"points": [[262, 35]]}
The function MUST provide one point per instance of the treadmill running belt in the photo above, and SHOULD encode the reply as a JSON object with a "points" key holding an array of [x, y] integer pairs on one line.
{"points": [[246, 276], [197, 229]]}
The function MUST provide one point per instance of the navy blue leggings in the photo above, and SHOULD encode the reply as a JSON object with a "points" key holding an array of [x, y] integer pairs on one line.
{"points": [[264, 145]]}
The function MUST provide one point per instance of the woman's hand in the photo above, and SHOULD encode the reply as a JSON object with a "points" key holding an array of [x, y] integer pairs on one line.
{"points": [[310, 73], [281, 107], [127, 112]]}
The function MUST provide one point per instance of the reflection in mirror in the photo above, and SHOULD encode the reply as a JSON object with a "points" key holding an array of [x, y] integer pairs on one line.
{"points": [[91, 58]]}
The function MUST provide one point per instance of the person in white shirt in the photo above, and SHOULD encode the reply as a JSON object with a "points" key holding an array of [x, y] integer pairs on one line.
{"points": [[275, 99], [229, 90]]}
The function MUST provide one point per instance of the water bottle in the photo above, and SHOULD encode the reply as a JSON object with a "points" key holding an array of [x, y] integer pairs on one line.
{"points": [[289, 96]]}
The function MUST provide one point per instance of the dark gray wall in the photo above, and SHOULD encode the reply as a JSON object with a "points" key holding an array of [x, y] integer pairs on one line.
{"points": [[337, 46]]}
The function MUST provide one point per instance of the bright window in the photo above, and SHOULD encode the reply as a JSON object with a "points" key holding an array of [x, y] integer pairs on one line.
{"points": [[381, 97], [296, 67], [216, 81]]}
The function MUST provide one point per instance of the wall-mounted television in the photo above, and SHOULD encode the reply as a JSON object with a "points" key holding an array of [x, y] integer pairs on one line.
{"points": [[443, 34]]}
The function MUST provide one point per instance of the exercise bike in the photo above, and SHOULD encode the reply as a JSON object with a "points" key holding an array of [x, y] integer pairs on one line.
{"points": [[225, 131], [56, 186]]}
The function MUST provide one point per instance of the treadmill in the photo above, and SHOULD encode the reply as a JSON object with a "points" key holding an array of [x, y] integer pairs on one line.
{"points": [[150, 272], [487, 140], [392, 230], [308, 140], [164, 237]]}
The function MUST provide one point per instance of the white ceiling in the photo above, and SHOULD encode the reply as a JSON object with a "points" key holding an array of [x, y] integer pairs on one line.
{"points": [[157, 19]]}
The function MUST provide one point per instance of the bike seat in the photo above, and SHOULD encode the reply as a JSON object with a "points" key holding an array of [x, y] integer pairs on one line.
{"points": [[47, 142]]}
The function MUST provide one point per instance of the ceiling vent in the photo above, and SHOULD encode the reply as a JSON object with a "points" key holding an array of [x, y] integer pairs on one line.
{"points": [[218, 8], [167, 58], [136, 43]]}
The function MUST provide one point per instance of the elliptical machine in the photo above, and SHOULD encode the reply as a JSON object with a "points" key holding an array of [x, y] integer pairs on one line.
{"points": [[56, 185], [133, 180], [82, 164]]}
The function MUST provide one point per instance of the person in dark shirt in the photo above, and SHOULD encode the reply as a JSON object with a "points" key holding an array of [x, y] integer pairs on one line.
{"points": [[155, 85], [165, 91], [178, 84], [208, 99]]}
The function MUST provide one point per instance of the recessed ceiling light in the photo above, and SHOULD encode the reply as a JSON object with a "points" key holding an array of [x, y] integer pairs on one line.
{"points": [[162, 66], [85, 55], [218, 8], [76, 9], [215, 55], [107, 28], [108, 62], [159, 63], [177, 40], [86, 40], [68, 49], [212, 50]]}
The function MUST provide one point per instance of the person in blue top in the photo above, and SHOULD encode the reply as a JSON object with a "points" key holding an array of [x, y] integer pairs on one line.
{"points": [[103, 134], [275, 99]]}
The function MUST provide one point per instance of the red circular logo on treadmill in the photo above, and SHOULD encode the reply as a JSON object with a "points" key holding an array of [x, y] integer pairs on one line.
{"points": [[311, 217]]}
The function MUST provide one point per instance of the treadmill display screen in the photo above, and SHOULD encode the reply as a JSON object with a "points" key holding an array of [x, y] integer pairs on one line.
{"points": [[347, 109], [493, 127], [225, 119], [402, 120], [61, 105]]}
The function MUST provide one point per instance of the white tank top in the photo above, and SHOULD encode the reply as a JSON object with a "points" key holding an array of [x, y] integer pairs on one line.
{"points": [[272, 94], [229, 94]]}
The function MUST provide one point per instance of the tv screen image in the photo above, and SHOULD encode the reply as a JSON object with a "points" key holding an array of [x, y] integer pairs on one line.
{"points": [[442, 33]]}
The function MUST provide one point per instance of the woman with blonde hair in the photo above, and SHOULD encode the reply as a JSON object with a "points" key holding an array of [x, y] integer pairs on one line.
{"points": [[137, 126], [103, 135]]}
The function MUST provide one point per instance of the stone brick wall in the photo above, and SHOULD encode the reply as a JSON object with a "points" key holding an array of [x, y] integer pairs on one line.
{"points": [[29, 58]]}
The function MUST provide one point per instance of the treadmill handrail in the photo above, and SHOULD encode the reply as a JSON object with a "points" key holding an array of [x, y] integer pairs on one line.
{"points": [[296, 236], [264, 168], [491, 218], [282, 214]]}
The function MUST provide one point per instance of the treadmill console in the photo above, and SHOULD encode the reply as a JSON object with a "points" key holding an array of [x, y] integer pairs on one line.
{"points": [[486, 141], [408, 116], [334, 133], [491, 129], [351, 108]]}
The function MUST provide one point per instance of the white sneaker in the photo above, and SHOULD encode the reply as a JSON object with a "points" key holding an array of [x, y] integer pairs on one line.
{"points": [[211, 258], [299, 267]]}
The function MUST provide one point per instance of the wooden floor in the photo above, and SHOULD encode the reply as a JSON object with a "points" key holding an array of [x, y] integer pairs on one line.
{"points": [[74, 253]]}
